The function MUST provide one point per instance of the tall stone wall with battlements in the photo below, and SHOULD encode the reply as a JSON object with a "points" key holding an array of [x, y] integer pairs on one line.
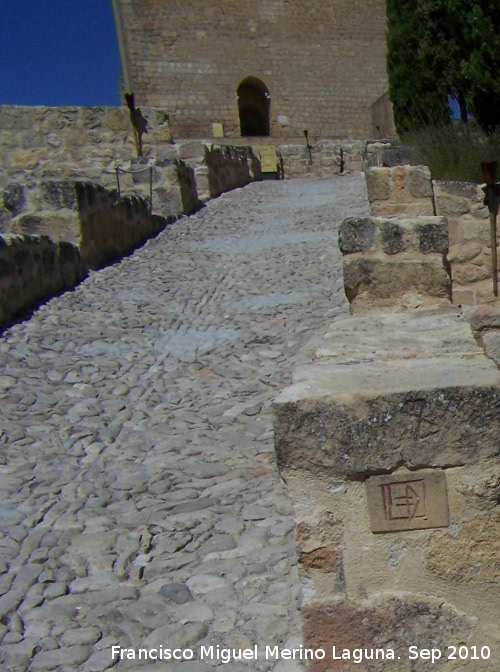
{"points": [[323, 63]]}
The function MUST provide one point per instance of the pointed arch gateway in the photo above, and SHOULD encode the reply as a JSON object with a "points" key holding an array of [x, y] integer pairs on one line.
{"points": [[254, 104]]}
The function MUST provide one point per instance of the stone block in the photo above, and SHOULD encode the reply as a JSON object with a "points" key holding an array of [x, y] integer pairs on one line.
{"points": [[368, 280], [470, 554], [417, 400], [410, 501], [117, 119], [433, 237], [376, 636], [392, 237], [466, 190], [463, 253], [484, 317], [463, 297], [23, 159], [190, 149], [59, 194], [452, 206], [364, 433], [491, 342], [397, 155], [393, 208], [467, 274], [474, 230], [378, 182], [56, 226], [357, 235], [419, 181], [14, 197]]}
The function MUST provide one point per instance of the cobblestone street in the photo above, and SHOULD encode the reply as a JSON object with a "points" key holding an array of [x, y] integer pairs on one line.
{"points": [[141, 505]]}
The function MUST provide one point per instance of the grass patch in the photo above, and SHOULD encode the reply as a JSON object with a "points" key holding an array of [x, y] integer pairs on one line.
{"points": [[454, 151]]}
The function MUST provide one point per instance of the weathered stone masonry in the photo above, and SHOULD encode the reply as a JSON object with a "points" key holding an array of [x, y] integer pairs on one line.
{"points": [[60, 213], [319, 66]]}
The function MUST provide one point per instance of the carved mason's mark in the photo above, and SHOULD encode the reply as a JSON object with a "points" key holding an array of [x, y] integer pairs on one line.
{"points": [[408, 501], [404, 501]]}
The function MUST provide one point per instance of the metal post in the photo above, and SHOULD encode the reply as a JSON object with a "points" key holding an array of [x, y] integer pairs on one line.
{"points": [[118, 180], [150, 190], [493, 232], [306, 135]]}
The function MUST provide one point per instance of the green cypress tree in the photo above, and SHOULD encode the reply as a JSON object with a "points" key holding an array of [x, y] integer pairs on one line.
{"points": [[483, 64], [418, 98], [441, 48]]}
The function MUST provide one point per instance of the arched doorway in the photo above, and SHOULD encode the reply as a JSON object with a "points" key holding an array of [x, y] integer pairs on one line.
{"points": [[253, 106]]}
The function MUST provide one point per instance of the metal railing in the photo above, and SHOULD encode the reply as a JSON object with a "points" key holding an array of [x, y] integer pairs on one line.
{"points": [[119, 169]]}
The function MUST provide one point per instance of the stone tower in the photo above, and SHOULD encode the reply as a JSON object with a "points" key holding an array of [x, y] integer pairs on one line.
{"points": [[267, 67]]}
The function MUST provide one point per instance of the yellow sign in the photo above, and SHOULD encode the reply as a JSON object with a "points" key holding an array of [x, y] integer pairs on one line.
{"points": [[217, 131], [268, 158]]}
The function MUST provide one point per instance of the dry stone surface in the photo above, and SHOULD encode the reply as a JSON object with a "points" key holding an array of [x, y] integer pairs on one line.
{"points": [[140, 500]]}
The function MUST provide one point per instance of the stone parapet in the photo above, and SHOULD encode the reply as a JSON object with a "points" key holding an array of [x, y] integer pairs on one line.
{"points": [[111, 227], [470, 241], [321, 159], [173, 182], [224, 168], [390, 261], [88, 216], [33, 268], [103, 225], [400, 190], [193, 173], [388, 444], [384, 154], [67, 227]]}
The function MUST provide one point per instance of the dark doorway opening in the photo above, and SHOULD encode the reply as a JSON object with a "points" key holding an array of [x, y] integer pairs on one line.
{"points": [[254, 104]]}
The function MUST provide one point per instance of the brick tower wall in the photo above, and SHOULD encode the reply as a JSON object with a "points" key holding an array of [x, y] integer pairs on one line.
{"points": [[323, 62]]}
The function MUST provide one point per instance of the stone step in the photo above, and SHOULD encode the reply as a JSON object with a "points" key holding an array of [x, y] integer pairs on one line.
{"points": [[388, 390]]}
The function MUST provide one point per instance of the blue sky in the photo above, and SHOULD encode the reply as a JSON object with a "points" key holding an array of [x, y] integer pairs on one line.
{"points": [[58, 52]]}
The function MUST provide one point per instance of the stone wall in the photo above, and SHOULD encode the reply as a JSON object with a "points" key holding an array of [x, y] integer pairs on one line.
{"points": [[62, 229], [395, 261], [202, 171], [321, 159], [96, 222], [470, 240], [323, 68], [400, 190], [219, 168], [409, 189], [89, 140], [33, 268], [85, 215], [388, 444]]}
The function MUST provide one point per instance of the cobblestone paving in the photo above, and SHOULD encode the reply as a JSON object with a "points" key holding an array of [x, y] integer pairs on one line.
{"points": [[140, 501]]}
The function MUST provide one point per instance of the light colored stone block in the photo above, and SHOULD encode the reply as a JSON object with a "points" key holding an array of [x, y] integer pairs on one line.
{"points": [[408, 501]]}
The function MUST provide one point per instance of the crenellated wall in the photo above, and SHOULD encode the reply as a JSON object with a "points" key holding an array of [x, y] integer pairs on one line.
{"points": [[470, 240], [49, 211], [34, 267], [321, 159], [395, 261], [409, 190]]}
